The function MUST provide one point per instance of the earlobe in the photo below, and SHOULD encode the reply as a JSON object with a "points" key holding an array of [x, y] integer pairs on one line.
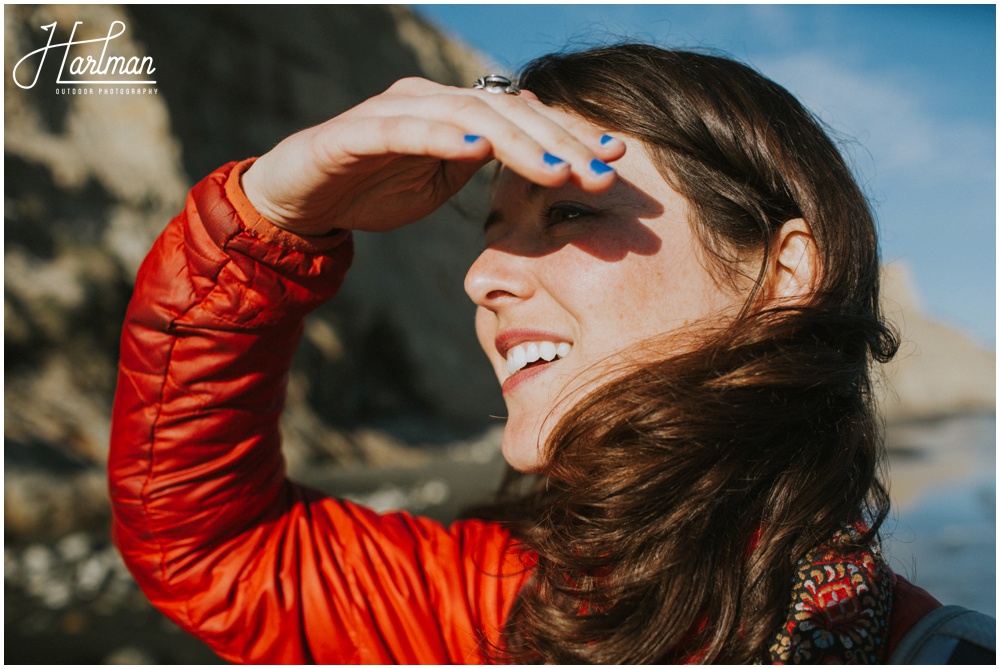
{"points": [[795, 264]]}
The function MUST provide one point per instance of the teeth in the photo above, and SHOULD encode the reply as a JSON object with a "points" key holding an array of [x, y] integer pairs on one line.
{"points": [[518, 357]]}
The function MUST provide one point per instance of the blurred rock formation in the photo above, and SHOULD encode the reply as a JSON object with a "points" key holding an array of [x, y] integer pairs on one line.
{"points": [[91, 180], [939, 370], [390, 363]]}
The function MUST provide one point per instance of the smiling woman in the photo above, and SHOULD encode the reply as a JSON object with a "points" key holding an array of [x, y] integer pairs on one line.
{"points": [[593, 273], [678, 295]]}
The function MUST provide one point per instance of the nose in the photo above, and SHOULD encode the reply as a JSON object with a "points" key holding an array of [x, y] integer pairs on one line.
{"points": [[498, 277]]}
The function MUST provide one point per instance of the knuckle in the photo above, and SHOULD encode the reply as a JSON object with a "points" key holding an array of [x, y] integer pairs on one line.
{"points": [[566, 143], [469, 104], [389, 125], [508, 101], [408, 85], [509, 136]]}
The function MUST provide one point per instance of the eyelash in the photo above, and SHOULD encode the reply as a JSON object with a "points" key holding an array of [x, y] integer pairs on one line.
{"points": [[562, 212]]}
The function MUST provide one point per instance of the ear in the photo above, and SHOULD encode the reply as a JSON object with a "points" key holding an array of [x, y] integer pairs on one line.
{"points": [[794, 266]]}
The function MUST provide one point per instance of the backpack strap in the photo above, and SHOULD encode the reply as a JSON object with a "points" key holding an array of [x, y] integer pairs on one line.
{"points": [[949, 635]]}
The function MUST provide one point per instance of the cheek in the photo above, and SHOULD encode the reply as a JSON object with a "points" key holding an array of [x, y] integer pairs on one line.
{"points": [[640, 296]]}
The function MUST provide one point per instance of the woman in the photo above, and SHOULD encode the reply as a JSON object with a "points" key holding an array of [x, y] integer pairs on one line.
{"points": [[679, 297]]}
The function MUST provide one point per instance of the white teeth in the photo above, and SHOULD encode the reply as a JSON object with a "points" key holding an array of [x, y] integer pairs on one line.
{"points": [[518, 357]]}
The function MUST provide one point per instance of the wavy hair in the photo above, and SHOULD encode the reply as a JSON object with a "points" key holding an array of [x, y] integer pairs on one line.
{"points": [[680, 495]]}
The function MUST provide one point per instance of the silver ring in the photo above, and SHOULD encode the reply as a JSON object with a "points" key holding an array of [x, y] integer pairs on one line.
{"points": [[495, 83]]}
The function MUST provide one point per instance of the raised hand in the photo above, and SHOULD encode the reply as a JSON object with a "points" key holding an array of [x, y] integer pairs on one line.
{"points": [[400, 155]]}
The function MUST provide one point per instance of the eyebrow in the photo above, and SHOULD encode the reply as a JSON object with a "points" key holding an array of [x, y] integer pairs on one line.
{"points": [[532, 192]]}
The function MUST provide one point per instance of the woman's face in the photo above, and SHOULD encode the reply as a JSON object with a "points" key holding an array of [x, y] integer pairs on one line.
{"points": [[569, 280]]}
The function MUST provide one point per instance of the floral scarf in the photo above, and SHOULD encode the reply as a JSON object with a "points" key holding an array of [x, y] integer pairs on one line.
{"points": [[840, 612]]}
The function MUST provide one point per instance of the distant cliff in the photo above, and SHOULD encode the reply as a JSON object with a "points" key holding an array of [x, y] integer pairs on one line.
{"points": [[392, 360], [939, 370]]}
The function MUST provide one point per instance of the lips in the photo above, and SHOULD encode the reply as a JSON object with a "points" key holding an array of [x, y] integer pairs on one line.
{"points": [[527, 352]]}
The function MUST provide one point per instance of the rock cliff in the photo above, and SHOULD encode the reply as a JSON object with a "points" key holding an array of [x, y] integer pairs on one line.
{"points": [[939, 370]]}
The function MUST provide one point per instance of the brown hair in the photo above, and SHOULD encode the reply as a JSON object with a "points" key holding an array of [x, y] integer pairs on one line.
{"points": [[681, 494]]}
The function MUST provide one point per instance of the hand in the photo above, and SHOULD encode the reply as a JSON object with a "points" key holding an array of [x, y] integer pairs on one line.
{"points": [[400, 155]]}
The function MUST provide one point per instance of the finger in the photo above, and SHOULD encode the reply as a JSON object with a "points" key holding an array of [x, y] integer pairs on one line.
{"points": [[584, 146], [400, 135], [536, 146], [416, 86], [606, 146]]}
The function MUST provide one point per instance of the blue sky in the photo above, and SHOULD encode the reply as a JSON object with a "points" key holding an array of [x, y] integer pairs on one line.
{"points": [[913, 87]]}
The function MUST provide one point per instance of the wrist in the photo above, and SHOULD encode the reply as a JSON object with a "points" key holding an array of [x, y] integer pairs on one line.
{"points": [[257, 223]]}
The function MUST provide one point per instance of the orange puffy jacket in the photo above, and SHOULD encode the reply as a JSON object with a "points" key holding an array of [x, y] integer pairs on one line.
{"points": [[262, 569]]}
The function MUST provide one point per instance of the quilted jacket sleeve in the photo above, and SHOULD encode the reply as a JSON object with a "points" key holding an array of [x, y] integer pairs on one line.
{"points": [[260, 568]]}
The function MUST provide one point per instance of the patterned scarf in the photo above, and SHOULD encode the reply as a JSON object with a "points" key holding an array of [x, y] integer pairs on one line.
{"points": [[841, 607]]}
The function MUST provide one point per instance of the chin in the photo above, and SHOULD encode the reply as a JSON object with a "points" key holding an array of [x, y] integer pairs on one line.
{"points": [[521, 451]]}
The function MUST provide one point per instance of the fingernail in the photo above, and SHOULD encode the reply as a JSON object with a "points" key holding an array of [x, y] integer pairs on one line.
{"points": [[606, 138], [599, 168], [552, 161], [471, 139]]}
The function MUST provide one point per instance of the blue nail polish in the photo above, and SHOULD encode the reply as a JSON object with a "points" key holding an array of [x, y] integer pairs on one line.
{"points": [[599, 168], [472, 139], [552, 161], [605, 139]]}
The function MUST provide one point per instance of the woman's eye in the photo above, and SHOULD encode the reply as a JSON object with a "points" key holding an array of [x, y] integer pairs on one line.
{"points": [[562, 213]]}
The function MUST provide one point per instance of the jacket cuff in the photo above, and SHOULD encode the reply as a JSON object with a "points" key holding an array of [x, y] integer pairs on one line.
{"points": [[258, 226], [239, 276]]}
